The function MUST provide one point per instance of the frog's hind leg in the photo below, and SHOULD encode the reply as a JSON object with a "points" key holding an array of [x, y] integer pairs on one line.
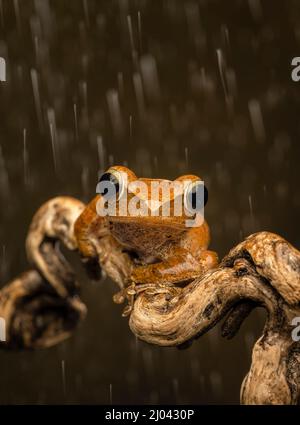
{"points": [[53, 224]]}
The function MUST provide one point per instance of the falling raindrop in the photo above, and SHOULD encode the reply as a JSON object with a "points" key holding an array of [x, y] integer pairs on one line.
{"points": [[216, 383], [25, 158], [140, 31], [231, 82], [86, 12], [139, 93], [85, 182], [175, 384], [44, 13], [225, 33], [221, 65], [18, 15], [257, 120], [256, 9], [53, 135], [251, 210], [121, 85], [150, 77], [75, 121], [4, 181], [129, 23], [132, 44], [37, 100], [186, 156], [4, 263], [1, 13], [101, 154], [63, 374], [36, 48], [130, 129], [110, 394], [111, 160], [115, 113]]}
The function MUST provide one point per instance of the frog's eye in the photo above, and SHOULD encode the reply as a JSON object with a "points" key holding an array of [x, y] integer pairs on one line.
{"points": [[111, 185], [195, 196]]}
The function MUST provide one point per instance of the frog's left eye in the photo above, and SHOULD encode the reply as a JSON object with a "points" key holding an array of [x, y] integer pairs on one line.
{"points": [[111, 185], [195, 196]]}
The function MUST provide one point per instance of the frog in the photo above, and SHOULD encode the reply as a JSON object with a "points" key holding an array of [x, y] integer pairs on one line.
{"points": [[140, 252], [151, 250], [137, 252]]}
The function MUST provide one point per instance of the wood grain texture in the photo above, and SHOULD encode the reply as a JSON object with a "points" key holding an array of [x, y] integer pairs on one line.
{"points": [[261, 271]]}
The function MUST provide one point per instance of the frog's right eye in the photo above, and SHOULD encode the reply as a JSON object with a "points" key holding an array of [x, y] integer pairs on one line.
{"points": [[111, 185]]}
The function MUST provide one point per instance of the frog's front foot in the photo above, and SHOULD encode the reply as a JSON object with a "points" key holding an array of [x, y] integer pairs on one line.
{"points": [[131, 291], [128, 294]]}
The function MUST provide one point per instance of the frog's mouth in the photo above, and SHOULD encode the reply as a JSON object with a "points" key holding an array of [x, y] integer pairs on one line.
{"points": [[163, 222]]}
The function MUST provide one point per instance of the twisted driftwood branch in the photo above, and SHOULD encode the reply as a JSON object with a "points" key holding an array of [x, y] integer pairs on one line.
{"points": [[41, 307], [35, 316], [264, 270]]}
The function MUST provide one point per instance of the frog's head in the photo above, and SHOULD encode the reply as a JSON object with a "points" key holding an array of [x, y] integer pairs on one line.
{"points": [[125, 198]]}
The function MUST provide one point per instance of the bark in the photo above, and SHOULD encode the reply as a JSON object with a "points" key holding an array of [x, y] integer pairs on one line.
{"points": [[261, 271], [35, 315]]}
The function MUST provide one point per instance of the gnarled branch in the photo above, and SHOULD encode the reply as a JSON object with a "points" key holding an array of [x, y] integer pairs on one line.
{"points": [[263, 270]]}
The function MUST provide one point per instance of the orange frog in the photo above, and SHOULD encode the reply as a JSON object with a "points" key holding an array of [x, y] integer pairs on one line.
{"points": [[144, 250], [136, 251]]}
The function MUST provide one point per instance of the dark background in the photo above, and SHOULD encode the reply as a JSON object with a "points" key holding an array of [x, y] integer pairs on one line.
{"points": [[141, 83]]}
